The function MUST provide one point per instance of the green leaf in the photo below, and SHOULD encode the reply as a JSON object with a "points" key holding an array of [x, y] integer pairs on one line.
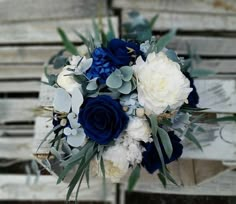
{"points": [[193, 139], [222, 119], [114, 81], [172, 55], [165, 40], [67, 43], [87, 175], [77, 191], [92, 85], [54, 152], [102, 166], [196, 72], [59, 62], [126, 88], [111, 32], [49, 133], [152, 21], [126, 72], [170, 178], [166, 142], [133, 179], [154, 127], [96, 31], [162, 178]]}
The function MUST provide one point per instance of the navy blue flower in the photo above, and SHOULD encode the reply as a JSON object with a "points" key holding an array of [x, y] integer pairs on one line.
{"points": [[123, 53], [117, 54], [151, 160], [102, 118], [101, 67], [193, 98]]}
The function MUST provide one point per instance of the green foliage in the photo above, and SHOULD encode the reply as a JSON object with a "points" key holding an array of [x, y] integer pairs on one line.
{"points": [[69, 46], [133, 179], [121, 80], [166, 142], [201, 72]]}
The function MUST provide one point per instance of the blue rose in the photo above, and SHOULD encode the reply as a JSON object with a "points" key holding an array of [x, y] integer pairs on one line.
{"points": [[102, 66], [102, 118], [193, 98], [123, 53], [151, 160]]}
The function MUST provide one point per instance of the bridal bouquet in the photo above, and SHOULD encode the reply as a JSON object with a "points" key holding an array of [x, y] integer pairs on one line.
{"points": [[124, 105]]}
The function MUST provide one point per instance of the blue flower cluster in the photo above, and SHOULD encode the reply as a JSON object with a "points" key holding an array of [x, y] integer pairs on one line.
{"points": [[118, 53]]}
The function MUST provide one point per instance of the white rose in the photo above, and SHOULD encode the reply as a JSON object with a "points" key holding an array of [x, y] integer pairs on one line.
{"points": [[115, 162], [134, 155], [138, 129], [160, 83], [66, 80]]}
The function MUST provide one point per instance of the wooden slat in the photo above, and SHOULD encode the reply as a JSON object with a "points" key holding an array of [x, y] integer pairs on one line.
{"points": [[206, 46], [20, 71], [17, 110], [16, 130], [46, 31], [20, 86], [191, 6], [16, 148], [26, 10], [187, 21], [223, 184], [14, 187]]}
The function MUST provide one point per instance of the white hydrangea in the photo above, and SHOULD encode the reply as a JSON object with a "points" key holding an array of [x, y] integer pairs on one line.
{"points": [[160, 83], [115, 162], [139, 129]]}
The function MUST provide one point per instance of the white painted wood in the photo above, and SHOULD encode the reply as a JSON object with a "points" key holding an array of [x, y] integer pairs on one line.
{"points": [[19, 86], [15, 110], [223, 184], [183, 6], [27, 10], [214, 143], [16, 130], [21, 71], [219, 95], [14, 187], [46, 31], [16, 148], [187, 21]]}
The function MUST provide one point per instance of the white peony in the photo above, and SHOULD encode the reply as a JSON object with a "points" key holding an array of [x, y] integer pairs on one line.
{"points": [[160, 83], [135, 151], [66, 80], [115, 162], [139, 129]]}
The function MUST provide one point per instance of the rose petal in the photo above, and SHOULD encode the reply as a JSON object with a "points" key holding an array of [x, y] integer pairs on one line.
{"points": [[62, 101]]}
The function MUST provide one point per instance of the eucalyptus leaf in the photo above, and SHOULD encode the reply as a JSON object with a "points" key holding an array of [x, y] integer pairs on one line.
{"points": [[126, 72], [162, 178], [152, 21], [166, 142], [126, 88], [69, 46], [133, 179], [55, 153], [114, 81], [92, 85], [165, 40], [196, 72], [171, 54], [193, 139], [59, 62]]}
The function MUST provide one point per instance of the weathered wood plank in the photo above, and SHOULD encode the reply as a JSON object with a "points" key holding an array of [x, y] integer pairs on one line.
{"points": [[223, 184], [46, 31], [21, 71], [27, 10], [219, 95], [191, 6], [14, 187], [187, 21], [16, 148], [16, 130], [17, 110], [20, 86]]}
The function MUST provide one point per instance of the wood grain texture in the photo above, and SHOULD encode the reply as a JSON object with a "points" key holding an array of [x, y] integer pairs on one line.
{"points": [[46, 31], [16, 148], [20, 86], [187, 21], [223, 184], [28, 10], [17, 110], [183, 6], [14, 187]]}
